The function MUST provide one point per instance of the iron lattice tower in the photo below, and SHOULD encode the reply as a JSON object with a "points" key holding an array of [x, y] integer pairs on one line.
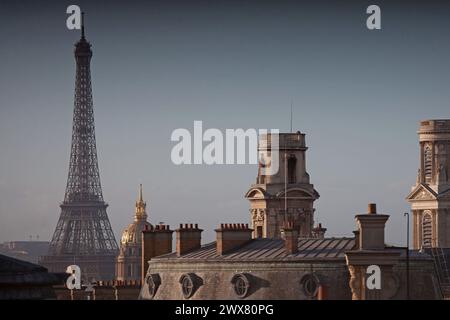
{"points": [[83, 235]]}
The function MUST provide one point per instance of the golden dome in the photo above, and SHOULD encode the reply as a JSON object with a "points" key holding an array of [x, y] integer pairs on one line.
{"points": [[132, 234]]}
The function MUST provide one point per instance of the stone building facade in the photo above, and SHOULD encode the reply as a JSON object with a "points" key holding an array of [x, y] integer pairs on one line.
{"points": [[237, 266], [287, 195], [281, 255]]}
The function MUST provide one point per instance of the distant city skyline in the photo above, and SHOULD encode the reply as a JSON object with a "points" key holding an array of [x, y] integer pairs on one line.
{"points": [[160, 65]]}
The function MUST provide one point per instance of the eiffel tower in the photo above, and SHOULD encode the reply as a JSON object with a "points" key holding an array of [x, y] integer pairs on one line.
{"points": [[83, 235]]}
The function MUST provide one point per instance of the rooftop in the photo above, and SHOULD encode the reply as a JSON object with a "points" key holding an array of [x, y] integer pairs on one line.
{"points": [[272, 249]]}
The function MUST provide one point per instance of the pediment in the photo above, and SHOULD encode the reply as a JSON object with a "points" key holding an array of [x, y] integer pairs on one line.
{"points": [[256, 193], [422, 192]]}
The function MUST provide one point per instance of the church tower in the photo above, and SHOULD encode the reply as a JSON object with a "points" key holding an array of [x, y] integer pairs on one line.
{"points": [[286, 195], [430, 197]]}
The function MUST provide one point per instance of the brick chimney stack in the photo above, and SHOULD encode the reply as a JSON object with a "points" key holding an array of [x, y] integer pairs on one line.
{"points": [[189, 238], [231, 236], [156, 241], [290, 238], [371, 229]]}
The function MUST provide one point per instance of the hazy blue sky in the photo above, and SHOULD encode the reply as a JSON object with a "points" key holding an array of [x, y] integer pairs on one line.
{"points": [[158, 66]]}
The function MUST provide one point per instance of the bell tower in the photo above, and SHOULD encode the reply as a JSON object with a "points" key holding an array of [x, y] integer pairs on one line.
{"points": [[285, 195], [430, 196]]}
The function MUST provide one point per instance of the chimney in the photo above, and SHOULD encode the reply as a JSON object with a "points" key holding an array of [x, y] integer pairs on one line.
{"points": [[156, 241], [189, 238], [231, 236], [322, 293], [319, 232], [371, 229], [290, 238]]}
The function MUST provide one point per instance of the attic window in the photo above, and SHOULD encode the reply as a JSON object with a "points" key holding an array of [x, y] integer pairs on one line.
{"points": [[241, 285], [187, 285], [310, 285], [153, 282]]}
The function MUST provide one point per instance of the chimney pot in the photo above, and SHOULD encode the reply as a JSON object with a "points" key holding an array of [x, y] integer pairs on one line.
{"points": [[188, 239], [290, 238], [231, 236], [371, 228], [154, 244]]}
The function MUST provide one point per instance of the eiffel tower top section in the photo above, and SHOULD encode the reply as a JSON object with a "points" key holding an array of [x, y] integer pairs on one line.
{"points": [[83, 47], [83, 183]]}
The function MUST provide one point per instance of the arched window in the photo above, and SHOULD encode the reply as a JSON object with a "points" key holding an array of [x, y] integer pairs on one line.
{"points": [[292, 163], [427, 229], [428, 163]]}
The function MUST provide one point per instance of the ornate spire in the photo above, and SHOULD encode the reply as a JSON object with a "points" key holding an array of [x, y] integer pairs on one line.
{"points": [[140, 193], [82, 26], [140, 212]]}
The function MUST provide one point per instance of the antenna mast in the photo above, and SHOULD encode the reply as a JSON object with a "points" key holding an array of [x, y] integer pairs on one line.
{"points": [[291, 115]]}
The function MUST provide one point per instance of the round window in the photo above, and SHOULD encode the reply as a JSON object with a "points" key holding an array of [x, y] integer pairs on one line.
{"points": [[187, 286], [310, 285], [153, 282], [241, 285]]}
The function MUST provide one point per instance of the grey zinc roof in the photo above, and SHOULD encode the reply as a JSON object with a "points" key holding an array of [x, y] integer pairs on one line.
{"points": [[272, 249], [23, 280]]}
